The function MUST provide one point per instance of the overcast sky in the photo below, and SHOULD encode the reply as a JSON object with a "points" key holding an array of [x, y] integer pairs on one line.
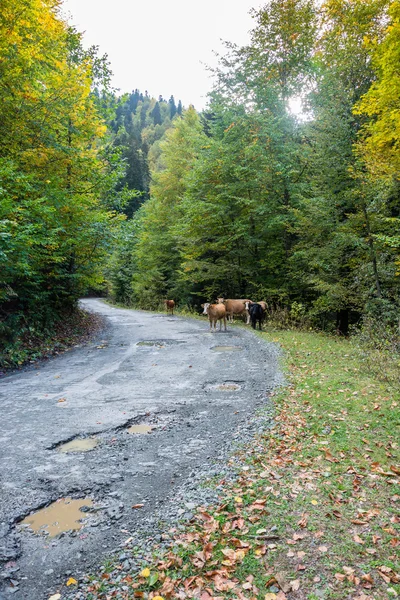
{"points": [[162, 46]]}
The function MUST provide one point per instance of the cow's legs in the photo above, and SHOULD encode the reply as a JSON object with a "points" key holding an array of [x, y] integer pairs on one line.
{"points": [[225, 323]]}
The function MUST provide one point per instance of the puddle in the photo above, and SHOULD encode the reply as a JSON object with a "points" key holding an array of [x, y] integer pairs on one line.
{"points": [[140, 429], [227, 349], [151, 344], [60, 516], [78, 445]]}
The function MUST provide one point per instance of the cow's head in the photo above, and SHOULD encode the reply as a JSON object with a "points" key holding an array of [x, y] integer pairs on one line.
{"points": [[220, 300], [205, 306]]}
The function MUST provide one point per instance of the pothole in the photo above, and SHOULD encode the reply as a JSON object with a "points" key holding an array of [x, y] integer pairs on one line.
{"points": [[159, 343], [141, 429], [79, 445], [226, 386], [227, 348], [60, 516]]}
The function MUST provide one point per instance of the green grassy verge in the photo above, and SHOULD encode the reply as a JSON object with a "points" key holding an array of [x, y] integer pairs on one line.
{"points": [[314, 513]]}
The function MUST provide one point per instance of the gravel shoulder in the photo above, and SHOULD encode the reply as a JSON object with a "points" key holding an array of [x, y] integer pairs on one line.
{"points": [[145, 368]]}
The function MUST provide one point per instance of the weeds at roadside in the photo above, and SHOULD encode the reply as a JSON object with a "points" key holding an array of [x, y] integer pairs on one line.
{"points": [[31, 345]]}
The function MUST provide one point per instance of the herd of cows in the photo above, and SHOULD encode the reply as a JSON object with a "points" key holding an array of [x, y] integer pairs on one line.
{"points": [[227, 309]]}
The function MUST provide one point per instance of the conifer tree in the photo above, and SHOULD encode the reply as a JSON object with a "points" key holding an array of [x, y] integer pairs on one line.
{"points": [[172, 107], [156, 114]]}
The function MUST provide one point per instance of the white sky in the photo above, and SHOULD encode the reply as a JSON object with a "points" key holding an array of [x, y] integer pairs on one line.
{"points": [[159, 45]]}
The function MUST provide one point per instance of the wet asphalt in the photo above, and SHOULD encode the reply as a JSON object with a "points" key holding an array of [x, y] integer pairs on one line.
{"points": [[144, 368]]}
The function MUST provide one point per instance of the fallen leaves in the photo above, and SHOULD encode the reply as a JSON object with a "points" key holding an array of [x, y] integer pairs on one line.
{"points": [[295, 585], [71, 581], [358, 540], [303, 521], [388, 575], [138, 506]]}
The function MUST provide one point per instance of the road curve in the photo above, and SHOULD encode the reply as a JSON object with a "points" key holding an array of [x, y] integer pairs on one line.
{"points": [[143, 368]]}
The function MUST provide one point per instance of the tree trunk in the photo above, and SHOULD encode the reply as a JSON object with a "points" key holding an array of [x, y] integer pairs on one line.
{"points": [[372, 251], [342, 321]]}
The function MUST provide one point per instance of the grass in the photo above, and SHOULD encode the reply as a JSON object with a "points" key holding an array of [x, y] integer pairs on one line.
{"points": [[314, 512]]}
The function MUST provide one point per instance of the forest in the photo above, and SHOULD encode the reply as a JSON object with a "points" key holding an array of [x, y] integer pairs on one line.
{"points": [[143, 199]]}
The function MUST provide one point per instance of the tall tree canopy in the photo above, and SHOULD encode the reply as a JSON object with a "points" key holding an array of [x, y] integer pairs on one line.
{"points": [[299, 212], [57, 176]]}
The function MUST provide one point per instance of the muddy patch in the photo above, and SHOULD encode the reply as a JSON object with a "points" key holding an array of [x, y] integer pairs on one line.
{"points": [[58, 517], [79, 445], [227, 349], [140, 429]]}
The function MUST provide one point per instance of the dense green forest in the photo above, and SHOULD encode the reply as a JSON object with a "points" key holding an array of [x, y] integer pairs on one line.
{"points": [[151, 200], [254, 202]]}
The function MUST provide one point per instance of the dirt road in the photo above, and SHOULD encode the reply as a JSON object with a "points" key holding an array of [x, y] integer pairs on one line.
{"points": [[193, 388]]}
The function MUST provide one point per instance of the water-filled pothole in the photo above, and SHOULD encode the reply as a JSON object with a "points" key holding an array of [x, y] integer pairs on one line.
{"points": [[226, 386], [227, 348], [151, 344], [159, 343], [78, 445], [140, 429], [63, 515]]}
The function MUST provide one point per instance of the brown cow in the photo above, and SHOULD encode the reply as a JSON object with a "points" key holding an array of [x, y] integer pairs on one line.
{"points": [[235, 307], [215, 312], [169, 305]]}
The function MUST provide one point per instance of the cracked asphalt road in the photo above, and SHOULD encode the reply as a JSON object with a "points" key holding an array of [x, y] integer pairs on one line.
{"points": [[170, 382]]}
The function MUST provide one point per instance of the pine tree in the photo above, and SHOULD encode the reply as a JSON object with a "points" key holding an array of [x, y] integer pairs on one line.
{"points": [[156, 114], [172, 108]]}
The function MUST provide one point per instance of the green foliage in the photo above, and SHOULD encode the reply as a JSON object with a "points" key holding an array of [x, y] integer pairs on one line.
{"points": [[56, 193], [137, 123], [156, 252], [245, 200], [258, 204]]}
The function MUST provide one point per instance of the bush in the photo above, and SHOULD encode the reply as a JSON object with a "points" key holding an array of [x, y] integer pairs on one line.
{"points": [[378, 342]]}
